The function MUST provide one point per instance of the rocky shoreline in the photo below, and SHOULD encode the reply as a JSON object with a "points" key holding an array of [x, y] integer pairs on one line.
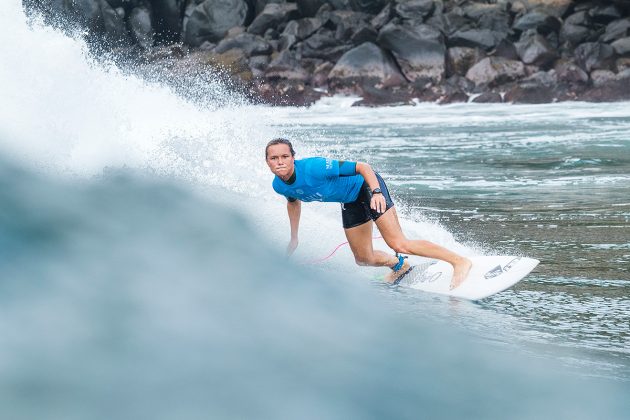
{"points": [[388, 52]]}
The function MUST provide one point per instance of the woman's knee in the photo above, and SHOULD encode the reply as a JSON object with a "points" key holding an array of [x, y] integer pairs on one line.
{"points": [[401, 246], [363, 260]]}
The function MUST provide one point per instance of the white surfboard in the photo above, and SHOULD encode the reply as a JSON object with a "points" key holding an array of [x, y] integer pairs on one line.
{"points": [[488, 275]]}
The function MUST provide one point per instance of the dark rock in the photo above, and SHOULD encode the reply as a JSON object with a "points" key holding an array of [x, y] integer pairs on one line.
{"points": [[555, 8], [420, 51], [616, 30], [286, 93], [542, 78], [492, 71], [570, 72], [141, 26], [498, 22], [477, 10], [368, 6], [297, 30], [594, 56], [309, 8], [541, 22], [86, 12], [456, 22], [320, 74], [488, 98], [605, 13], [258, 65], [415, 9], [453, 98], [323, 45], [366, 65], [211, 19], [372, 97], [602, 77], [535, 50], [248, 43], [616, 90], [365, 33], [286, 66], [168, 16], [232, 63], [272, 16], [622, 64], [529, 94], [114, 24], [460, 59], [475, 38], [579, 18], [383, 17], [506, 49], [622, 46], [574, 34]]}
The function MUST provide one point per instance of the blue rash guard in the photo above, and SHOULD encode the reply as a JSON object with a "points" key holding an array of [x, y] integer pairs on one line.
{"points": [[321, 179]]}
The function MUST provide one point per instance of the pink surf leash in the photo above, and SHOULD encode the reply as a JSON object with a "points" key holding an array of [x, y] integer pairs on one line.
{"points": [[320, 260]]}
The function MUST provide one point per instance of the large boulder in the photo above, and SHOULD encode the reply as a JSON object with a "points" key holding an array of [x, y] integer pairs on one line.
{"points": [[272, 16], [115, 26], [323, 45], [366, 64], [536, 50], [594, 56], [495, 70], [605, 13], [569, 72], [298, 30], [309, 8], [211, 19], [574, 34], [420, 51], [556, 8]]}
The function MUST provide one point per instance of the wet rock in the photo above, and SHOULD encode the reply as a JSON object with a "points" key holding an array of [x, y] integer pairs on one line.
{"points": [[581, 18], [594, 56], [488, 98], [373, 97], [616, 30], [505, 49], [529, 94], [298, 30], [414, 9], [555, 8], [258, 64], [535, 50], [286, 93], [622, 46], [323, 45], [232, 63], [248, 43], [272, 16], [615, 90], [286, 66], [211, 19], [364, 33], [475, 38], [539, 21], [366, 65], [115, 27], [419, 51], [141, 27], [368, 6], [456, 21], [460, 59], [622, 64], [495, 70]]}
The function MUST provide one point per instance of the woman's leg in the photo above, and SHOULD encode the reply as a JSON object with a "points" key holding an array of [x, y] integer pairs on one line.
{"points": [[360, 240], [392, 233]]}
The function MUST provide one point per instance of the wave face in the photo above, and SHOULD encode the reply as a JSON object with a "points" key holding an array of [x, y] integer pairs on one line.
{"points": [[140, 275]]}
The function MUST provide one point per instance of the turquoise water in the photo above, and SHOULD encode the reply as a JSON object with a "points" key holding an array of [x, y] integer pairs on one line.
{"points": [[142, 272]]}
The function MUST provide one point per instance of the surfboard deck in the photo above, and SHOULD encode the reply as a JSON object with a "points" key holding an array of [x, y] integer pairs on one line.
{"points": [[489, 275]]}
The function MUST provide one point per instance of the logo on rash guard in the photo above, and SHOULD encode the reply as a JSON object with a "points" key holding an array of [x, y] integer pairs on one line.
{"points": [[329, 163]]}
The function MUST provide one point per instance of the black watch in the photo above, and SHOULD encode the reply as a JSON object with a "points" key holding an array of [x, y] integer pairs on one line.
{"points": [[377, 191]]}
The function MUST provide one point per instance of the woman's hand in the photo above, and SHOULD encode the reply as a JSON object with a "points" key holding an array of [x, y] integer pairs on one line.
{"points": [[377, 203], [291, 247]]}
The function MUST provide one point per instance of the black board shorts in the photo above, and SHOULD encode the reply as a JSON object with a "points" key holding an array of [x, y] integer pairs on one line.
{"points": [[358, 212]]}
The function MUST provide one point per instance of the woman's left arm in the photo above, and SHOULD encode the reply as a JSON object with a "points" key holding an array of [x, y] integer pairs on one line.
{"points": [[378, 201]]}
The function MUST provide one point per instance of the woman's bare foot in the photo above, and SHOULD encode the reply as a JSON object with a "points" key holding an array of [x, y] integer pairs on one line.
{"points": [[460, 271], [394, 275]]}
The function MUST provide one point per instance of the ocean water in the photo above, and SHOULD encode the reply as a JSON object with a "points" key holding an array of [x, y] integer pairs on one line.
{"points": [[141, 254]]}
